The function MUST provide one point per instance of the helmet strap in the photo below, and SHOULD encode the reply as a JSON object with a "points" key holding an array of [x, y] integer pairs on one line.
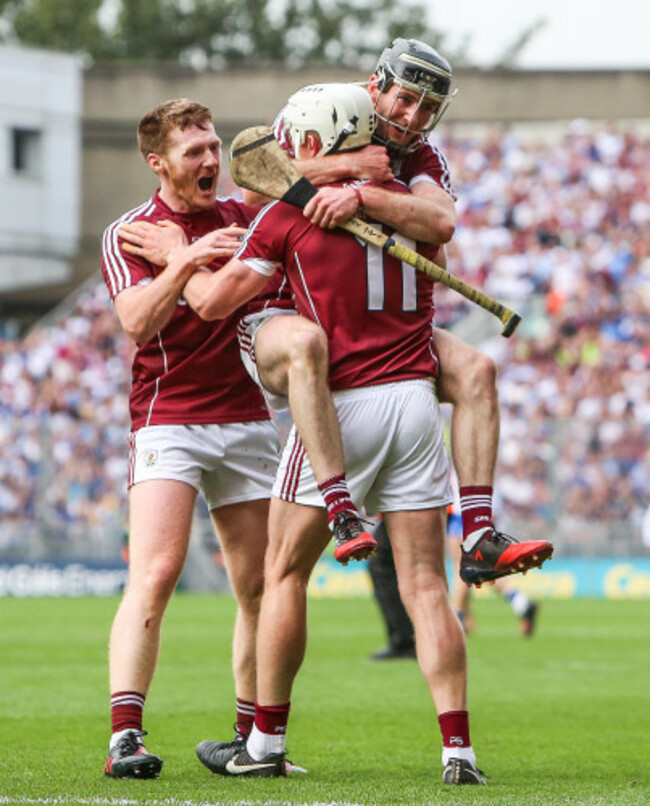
{"points": [[346, 131]]}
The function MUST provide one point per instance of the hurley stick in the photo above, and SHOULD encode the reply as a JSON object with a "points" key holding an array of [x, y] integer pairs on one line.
{"points": [[259, 164]]}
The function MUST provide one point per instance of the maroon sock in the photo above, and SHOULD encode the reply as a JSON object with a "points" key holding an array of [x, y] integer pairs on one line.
{"points": [[454, 726], [337, 496], [272, 719], [475, 508], [126, 710], [245, 717]]}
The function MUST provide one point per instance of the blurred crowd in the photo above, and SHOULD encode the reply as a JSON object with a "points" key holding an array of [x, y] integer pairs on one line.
{"points": [[559, 231], [64, 422]]}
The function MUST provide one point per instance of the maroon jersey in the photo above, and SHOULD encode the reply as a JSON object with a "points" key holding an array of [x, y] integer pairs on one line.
{"points": [[191, 371], [375, 310], [425, 162]]}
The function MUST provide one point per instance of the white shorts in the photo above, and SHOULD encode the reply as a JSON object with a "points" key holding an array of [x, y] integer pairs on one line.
{"points": [[395, 456], [247, 332], [230, 463]]}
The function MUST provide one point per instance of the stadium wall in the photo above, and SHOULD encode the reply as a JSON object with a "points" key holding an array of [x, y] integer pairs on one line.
{"points": [[563, 578]]}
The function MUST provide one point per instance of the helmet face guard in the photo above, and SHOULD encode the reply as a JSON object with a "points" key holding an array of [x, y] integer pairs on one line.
{"points": [[416, 67], [343, 115]]}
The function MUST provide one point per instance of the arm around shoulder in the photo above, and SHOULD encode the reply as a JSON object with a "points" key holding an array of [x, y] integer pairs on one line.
{"points": [[427, 214], [369, 163], [441, 209], [216, 295]]}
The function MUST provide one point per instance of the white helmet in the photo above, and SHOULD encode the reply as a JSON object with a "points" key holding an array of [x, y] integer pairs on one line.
{"points": [[342, 114]]}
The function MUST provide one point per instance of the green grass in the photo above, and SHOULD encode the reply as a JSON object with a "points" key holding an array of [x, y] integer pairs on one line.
{"points": [[559, 718]]}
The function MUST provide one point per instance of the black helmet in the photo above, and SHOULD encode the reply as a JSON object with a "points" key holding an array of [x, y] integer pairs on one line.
{"points": [[419, 68]]}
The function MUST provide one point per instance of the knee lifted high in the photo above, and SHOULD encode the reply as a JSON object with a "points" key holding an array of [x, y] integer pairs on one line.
{"points": [[309, 346], [480, 377]]}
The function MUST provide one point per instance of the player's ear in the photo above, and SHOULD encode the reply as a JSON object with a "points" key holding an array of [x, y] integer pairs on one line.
{"points": [[155, 162], [373, 87], [313, 143]]}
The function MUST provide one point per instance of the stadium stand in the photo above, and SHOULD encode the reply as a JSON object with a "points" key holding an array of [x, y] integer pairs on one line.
{"points": [[561, 232], [63, 403]]}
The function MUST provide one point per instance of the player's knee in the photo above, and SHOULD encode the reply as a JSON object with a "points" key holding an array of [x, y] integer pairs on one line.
{"points": [[309, 347], [486, 376], [249, 591], [479, 378], [156, 586], [288, 570], [425, 593], [249, 600]]}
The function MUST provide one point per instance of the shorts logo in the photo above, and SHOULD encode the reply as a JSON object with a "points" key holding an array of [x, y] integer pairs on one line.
{"points": [[150, 458]]}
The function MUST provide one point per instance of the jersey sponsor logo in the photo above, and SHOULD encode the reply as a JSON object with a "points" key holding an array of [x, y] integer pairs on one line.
{"points": [[150, 458]]}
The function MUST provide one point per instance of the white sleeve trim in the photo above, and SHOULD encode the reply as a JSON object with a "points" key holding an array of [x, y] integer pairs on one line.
{"points": [[423, 178], [261, 266]]}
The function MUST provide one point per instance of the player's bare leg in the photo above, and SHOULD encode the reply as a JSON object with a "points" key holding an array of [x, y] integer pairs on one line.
{"points": [[460, 595], [418, 539], [159, 530], [242, 530], [297, 536], [292, 360], [468, 382]]}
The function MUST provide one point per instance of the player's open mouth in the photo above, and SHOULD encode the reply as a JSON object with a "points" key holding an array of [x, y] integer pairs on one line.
{"points": [[206, 183]]}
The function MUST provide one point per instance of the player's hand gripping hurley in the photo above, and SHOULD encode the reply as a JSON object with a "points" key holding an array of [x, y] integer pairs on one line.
{"points": [[258, 163]]}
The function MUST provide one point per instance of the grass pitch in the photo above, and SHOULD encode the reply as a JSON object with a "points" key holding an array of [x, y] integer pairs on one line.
{"points": [[558, 718]]}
